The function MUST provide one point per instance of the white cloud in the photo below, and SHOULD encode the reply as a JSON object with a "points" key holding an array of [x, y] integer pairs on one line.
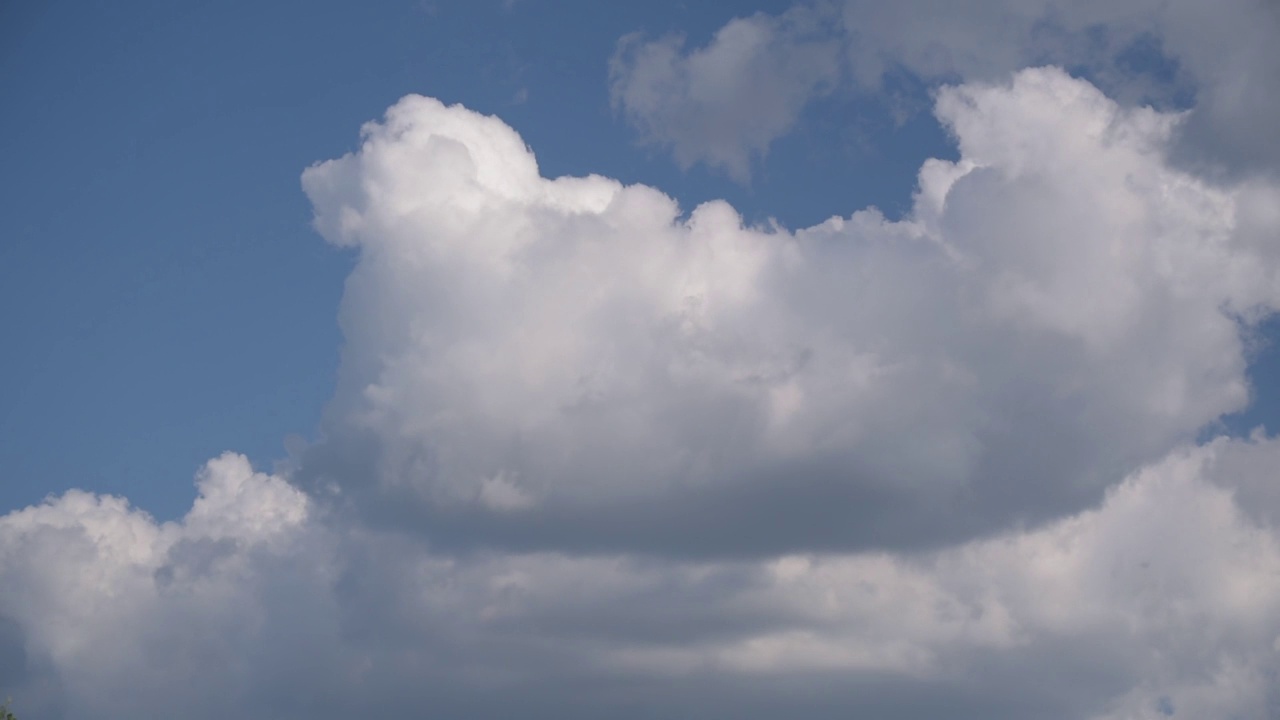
{"points": [[724, 104], [666, 465], [1162, 601], [1060, 306], [1222, 53], [124, 617]]}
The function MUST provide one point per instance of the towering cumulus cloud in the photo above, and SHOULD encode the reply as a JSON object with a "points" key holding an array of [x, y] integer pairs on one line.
{"points": [[591, 456], [571, 363]]}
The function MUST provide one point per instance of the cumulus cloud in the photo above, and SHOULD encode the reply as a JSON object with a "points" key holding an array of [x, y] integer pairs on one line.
{"points": [[725, 103], [1223, 54], [574, 363], [122, 617], [590, 455], [1164, 601]]}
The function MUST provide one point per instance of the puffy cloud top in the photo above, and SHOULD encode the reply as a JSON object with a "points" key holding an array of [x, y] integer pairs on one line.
{"points": [[572, 363]]}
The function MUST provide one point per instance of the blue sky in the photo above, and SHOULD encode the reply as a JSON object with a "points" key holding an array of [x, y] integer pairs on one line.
{"points": [[903, 359]]}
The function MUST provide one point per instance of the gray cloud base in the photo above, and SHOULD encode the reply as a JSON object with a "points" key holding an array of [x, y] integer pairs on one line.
{"points": [[1162, 601]]}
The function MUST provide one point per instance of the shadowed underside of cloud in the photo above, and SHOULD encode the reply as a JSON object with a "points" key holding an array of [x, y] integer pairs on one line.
{"points": [[658, 465], [571, 364], [1163, 601]]}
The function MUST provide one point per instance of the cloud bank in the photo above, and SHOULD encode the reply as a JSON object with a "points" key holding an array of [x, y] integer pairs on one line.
{"points": [[590, 455], [1164, 601]]}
